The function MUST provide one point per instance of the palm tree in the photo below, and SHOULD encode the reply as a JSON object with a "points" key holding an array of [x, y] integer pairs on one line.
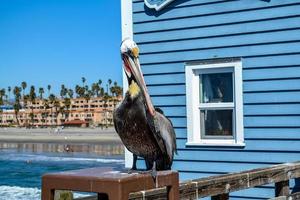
{"points": [[67, 106], [46, 107], [41, 92], [63, 91], [83, 81], [2, 94], [95, 89], [17, 104], [88, 94], [51, 101], [9, 90], [113, 88], [24, 86], [49, 88], [109, 85], [32, 97], [116, 91], [106, 98], [79, 91], [57, 109], [102, 92], [70, 93]]}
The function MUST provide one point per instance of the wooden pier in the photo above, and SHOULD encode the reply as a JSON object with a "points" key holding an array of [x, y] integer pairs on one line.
{"points": [[220, 187]]}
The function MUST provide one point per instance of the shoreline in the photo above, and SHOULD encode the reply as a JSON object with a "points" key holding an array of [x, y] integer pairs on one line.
{"points": [[59, 136]]}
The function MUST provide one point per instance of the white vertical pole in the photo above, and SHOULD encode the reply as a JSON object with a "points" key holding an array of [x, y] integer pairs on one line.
{"points": [[127, 32]]}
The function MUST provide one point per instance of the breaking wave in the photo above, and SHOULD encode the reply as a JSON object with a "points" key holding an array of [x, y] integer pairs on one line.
{"points": [[19, 193], [24, 193], [41, 158]]}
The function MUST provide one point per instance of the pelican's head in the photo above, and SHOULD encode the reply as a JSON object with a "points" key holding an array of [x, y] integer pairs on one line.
{"points": [[132, 68]]}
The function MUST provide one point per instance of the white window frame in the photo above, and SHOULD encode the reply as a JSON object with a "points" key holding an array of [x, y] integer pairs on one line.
{"points": [[192, 72]]}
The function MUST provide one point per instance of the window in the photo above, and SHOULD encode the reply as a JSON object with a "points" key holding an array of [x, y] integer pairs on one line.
{"points": [[215, 103]]}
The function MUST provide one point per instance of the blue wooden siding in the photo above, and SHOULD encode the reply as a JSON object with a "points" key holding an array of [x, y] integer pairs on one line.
{"points": [[266, 35]]}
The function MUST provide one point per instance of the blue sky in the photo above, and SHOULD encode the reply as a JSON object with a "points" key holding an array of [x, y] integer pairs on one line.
{"points": [[58, 41]]}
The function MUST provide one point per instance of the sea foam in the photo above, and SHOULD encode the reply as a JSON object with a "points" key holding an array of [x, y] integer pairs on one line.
{"points": [[37, 158], [25, 193], [19, 193]]}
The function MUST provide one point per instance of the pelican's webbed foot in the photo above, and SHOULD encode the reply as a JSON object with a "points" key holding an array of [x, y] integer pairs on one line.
{"points": [[153, 171]]}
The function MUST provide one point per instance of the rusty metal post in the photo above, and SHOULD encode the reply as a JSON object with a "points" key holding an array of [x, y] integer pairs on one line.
{"points": [[282, 188], [47, 192], [108, 184], [173, 190]]}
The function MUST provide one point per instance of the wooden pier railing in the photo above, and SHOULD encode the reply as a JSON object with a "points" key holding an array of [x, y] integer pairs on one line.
{"points": [[219, 187]]}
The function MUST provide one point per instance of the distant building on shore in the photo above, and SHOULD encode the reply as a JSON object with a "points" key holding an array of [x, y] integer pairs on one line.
{"points": [[81, 112]]}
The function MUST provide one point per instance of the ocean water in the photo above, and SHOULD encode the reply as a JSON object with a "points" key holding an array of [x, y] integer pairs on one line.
{"points": [[21, 171]]}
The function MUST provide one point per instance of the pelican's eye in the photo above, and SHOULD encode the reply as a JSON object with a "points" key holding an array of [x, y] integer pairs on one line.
{"points": [[135, 52]]}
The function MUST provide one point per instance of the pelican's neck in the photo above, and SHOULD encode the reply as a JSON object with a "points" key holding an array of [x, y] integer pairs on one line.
{"points": [[134, 90]]}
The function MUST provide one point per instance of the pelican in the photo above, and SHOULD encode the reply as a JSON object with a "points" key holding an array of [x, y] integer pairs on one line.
{"points": [[143, 129]]}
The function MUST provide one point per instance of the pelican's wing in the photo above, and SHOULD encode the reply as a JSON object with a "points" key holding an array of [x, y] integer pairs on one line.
{"points": [[164, 133], [167, 133], [154, 127]]}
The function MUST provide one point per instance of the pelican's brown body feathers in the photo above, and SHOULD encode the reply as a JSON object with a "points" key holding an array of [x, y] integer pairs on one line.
{"points": [[133, 124]]}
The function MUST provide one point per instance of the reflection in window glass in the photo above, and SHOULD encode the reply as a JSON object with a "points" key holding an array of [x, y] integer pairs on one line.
{"points": [[215, 88], [216, 122]]}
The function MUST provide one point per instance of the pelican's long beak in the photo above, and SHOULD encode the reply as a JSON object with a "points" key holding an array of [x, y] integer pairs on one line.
{"points": [[132, 64]]}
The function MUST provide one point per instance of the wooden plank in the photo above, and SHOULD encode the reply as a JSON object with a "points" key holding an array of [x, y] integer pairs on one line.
{"points": [[248, 63], [259, 133], [272, 85], [217, 167], [289, 145], [254, 121], [163, 68], [273, 109], [219, 31], [271, 73], [252, 79], [166, 89], [165, 79], [247, 179], [212, 186], [216, 20], [240, 156], [270, 61], [207, 10], [245, 39], [272, 121], [221, 52], [159, 193], [272, 97]]}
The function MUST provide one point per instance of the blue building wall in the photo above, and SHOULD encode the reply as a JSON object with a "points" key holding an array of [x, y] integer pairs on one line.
{"points": [[266, 35]]}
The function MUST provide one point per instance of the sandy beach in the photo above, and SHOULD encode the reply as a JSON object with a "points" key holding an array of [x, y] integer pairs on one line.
{"points": [[66, 135]]}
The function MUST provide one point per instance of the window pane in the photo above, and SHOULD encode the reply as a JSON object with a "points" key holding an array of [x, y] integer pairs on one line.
{"points": [[215, 88], [216, 122]]}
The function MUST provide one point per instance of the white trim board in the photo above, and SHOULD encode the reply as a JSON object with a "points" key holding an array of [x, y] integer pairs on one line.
{"points": [[127, 32]]}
